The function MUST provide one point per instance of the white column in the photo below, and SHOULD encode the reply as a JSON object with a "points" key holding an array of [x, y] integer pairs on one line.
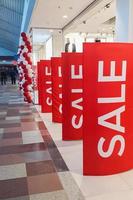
{"points": [[57, 44], [124, 20]]}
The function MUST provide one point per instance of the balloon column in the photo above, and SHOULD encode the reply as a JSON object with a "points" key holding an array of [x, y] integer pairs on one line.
{"points": [[25, 68]]}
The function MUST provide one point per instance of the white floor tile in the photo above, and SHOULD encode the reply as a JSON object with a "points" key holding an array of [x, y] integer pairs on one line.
{"points": [[13, 118], [30, 137], [128, 177], [99, 185], [1, 130], [12, 171], [122, 195], [57, 195]]}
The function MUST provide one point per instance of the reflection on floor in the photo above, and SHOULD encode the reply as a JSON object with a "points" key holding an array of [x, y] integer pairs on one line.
{"points": [[35, 164]]}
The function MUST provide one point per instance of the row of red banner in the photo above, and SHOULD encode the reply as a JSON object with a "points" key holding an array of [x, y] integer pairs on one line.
{"points": [[91, 94]]}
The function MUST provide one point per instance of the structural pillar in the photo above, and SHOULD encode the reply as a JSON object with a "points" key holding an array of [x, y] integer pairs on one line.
{"points": [[124, 21], [57, 44]]}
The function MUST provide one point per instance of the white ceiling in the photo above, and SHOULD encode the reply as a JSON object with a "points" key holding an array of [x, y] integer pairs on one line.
{"points": [[95, 19], [48, 14]]}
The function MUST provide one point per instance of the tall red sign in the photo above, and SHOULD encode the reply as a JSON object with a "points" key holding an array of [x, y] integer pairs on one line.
{"points": [[72, 99], [45, 85], [39, 81], [107, 108], [56, 64], [35, 84]]}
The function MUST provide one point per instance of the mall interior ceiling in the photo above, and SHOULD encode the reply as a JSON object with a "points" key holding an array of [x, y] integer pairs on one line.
{"points": [[86, 16]]}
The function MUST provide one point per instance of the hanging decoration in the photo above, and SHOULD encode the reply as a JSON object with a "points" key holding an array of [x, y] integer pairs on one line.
{"points": [[25, 68]]}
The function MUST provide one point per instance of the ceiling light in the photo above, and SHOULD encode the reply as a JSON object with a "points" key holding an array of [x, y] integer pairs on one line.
{"points": [[65, 16], [108, 5], [84, 22]]}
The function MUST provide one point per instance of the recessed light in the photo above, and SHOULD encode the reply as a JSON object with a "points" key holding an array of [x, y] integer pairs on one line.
{"points": [[65, 16], [51, 31]]}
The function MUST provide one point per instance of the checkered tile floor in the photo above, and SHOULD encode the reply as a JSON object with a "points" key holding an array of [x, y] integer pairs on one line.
{"points": [[31, 167]]}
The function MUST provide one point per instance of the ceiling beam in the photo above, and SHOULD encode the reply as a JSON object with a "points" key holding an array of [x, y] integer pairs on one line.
{"points": [[8, 44], [9, 35], [10, 32], [81, 14], [10, 10], [6, 39], [13, 24], [10, 26], [8, 48]]}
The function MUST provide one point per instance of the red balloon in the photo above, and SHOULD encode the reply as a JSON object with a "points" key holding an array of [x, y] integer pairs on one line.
{"points": [[29, 47], [22, 47], [25, 54], [27, 43], [28, 59], [25, 39], [23, 66], [23, 34], [29, 99], [29, 62], [26, 77], [25, 71], [25, 85]]}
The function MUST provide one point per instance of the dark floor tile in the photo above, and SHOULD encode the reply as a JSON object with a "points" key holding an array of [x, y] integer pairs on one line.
{"points": [[10, 142], [49, 142], [2, 118], [45, 133], [12, 130], [60, 165], [22, 148], [10, 121], [1, 135], [11, 125], [44, 183], [12, 112], [54, 153], [25, 114], [13, 188], [11, 159], [41, 125], [43, 167], [27, 117], [28, 120], [12, 135]]}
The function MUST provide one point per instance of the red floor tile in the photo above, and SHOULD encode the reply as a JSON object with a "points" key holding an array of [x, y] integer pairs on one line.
{"points": [[44, 183]]}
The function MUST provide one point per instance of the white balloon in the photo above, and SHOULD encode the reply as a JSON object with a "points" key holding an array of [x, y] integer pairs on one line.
{"points": [[29, 54], [25, 49], [28, 66]]}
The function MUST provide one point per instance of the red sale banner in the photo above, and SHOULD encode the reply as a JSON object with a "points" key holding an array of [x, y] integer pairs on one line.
{"points": [[107, 108], [56, 64], [39, 81], [35, 84], [45, 85], [72, 100]]}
